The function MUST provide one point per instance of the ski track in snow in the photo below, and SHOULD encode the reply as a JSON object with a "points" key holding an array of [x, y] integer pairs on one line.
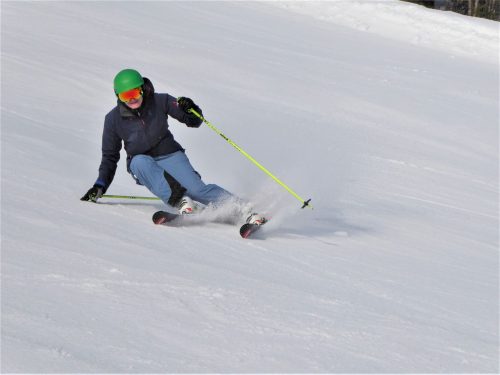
{"points": [[384, 113]]}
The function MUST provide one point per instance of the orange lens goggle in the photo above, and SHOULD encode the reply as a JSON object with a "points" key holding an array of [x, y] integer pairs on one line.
{"points": [[129, 95]]}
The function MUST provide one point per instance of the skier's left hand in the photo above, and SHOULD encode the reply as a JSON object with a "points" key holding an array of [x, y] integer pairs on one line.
{"points": [[186, 104]]}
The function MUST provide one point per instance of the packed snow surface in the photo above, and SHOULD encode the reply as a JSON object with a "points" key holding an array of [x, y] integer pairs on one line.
{"points": [[384, 113]]}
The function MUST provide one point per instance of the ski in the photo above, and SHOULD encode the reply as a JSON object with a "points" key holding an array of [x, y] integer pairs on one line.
{"points": [[247, 230], [165, 217], [162, 217]]}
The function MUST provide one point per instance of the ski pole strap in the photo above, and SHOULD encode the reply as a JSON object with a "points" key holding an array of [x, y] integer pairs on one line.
{"points": [[129, 197], [249, 157]]}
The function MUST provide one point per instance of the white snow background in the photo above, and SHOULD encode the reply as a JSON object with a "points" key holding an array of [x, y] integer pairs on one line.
{"points": [[384, 113]]}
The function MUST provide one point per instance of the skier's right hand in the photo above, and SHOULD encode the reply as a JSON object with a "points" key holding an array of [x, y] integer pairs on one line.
{"points": [[94, 193]]}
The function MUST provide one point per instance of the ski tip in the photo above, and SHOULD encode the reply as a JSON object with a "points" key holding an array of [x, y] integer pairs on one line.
{"points": [[160, 220], [157, 218], [246, 230], [246, 233], [161, 217]]}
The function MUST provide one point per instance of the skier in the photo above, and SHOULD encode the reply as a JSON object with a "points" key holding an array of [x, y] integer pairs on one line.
{"points": [[154, 158]]}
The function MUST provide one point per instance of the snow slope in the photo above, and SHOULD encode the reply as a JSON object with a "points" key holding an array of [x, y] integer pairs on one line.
{"points": [[395, 140], [447, 32]]}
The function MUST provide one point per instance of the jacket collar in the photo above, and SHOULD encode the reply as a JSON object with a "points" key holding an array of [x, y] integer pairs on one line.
{"points": [[128, 112]]}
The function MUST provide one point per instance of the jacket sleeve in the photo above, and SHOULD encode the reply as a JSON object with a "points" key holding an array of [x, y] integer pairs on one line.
{"points": [[172, 109], [111, 146]]}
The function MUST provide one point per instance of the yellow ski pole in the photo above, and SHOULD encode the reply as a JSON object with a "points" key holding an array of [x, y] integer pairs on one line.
{"points": [[130, 197], [305, 203]]}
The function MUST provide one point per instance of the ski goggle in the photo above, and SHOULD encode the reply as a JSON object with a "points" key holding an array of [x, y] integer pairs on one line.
{"points": [[129, 95]]}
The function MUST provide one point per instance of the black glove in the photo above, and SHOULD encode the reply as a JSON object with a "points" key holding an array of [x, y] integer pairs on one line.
{"points": [[94, 193], [186, 104]]}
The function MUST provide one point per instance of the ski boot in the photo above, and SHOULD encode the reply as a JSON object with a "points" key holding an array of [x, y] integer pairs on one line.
{"points": [[256, 219], [186, 206]]}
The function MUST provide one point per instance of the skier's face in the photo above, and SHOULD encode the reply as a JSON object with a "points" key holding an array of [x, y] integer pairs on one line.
{"points": [[132, 98], [134, 103]]}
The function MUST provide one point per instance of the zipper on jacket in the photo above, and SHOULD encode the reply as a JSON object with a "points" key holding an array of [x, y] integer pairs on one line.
{"points": [[139, 116]]}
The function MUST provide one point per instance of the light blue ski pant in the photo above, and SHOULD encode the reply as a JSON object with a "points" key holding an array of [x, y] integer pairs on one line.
{"points": [[149, 171]]}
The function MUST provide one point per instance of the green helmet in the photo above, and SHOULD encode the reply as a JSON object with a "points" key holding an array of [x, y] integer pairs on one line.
{"points": [[127, 79]]}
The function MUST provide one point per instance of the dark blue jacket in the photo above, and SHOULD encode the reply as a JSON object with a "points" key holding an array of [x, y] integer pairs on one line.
{"points": [[142, 131]]}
